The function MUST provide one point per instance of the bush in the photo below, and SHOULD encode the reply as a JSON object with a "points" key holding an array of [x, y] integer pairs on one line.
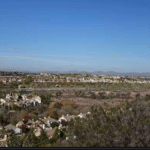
{"points": [[147, 97], [46, 98], [93, 96], [111, 95], [13, 120], [1, 119], [102, 95], [59, 93], [125, 126], [137, 96], [15, 107], [57, 105], [2, 95], [79, 93], [28, 80], [54, 124], [64, 123]]}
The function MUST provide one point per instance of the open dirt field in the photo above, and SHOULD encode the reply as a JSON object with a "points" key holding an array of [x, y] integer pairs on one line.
{"points": [[83, 104]]}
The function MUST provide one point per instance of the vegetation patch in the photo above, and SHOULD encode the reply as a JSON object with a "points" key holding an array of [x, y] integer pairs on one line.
{"points": [[68, 103]]}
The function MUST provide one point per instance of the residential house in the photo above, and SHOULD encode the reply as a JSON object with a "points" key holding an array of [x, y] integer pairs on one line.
{"points": [[67, 118], [76, 80], [50, 132], [31, 124], [88, 112], [37, 131], [4, 81], [82, 115], [12, 127], [13, 80], [15, 97], [8, 96], [37, 99], [48, 121], [24, 97], [4, 139], [19, 124], [81, 79], [92, 81], [18, 104], [2, 101]]}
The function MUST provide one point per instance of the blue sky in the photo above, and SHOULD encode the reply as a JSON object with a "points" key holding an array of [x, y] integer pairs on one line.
{"points": [[81, 35]]}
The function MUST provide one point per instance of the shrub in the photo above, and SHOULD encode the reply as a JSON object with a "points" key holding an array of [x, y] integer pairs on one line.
{"points": [[64, 123], [93, 96], [54, 124], [79, 93], [15, 107], [125, 126], [137, 96], [13, 120], [46, 98], [57, 105], [118, 95], [147, 97], [28, 80], [59, 93], [2, 95], [111, 95], [101, 95], [1, 119]]}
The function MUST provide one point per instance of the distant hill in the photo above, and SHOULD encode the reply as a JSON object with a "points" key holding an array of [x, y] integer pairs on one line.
{"points": [[113, 73], [143, 74], [14, 73]]}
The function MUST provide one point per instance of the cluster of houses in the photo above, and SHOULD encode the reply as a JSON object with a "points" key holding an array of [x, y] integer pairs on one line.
{"points": [[20, 101], [91, 79], [10, 79], [42, 124], [46, 77]]}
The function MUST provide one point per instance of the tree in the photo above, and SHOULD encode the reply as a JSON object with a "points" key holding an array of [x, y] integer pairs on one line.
{"points": [[54, 124], [1, 119]]}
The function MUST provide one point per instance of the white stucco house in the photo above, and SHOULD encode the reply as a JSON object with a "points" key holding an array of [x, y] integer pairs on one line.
{"points": [[24, 97], [8, 96], [48, 121], [12, 127], [2, 101], [67, 118], [37, 99], [82, 115], [19, 124]]}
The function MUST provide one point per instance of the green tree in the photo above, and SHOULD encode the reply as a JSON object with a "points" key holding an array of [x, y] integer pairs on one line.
{"points": [[54, 124], [1, 118]]}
